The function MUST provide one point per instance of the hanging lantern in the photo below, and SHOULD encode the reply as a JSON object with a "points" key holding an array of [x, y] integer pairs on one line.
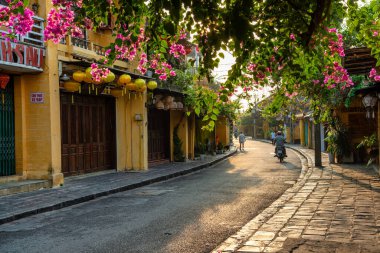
{"points": [[173, 105], [119, 84], [116, 92], [110, 77], [179, 105], [369, 102], [124, 79], [4, 79], [140, 83], [97, 82], [131, 86], [169, 99], [71, 86], [141, 89], [79, 76], [88, 72], [152, 85], [160, 105], [158, 97], [87, 79]]}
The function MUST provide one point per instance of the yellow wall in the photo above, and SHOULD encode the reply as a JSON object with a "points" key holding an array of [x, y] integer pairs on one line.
{"points": [[132, 135], [296, 132], [122, 133], [37, 126], [378, 131], [287, 134], [191, 135], [222, 130], [175, 118], [266, 129], [302, 131]]}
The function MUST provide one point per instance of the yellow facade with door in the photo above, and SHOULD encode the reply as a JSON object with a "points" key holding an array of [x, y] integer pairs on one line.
{"points": [[36, 123], [37, 126]]}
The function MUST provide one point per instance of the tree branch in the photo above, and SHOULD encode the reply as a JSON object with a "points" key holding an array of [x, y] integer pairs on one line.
{"points": [[317, 18], [298, 10]]}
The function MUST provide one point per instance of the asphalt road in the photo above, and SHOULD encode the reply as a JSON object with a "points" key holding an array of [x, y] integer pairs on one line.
{"points": [[193, 213]]}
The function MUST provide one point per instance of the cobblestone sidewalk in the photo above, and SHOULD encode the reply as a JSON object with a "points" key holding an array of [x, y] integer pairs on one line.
{"points": [[335, 208]]}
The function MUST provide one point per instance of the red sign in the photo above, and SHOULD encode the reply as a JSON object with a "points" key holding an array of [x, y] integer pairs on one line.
{"points": [[22, 54]]}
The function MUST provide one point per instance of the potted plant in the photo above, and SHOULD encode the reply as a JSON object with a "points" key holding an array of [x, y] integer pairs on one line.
{"points": [[202, 150], [337, 141], [370, 143], [220, 148], [178, 153], [331, 146]]}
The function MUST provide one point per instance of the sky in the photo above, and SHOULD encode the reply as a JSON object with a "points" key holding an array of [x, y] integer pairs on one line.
{"points": [[225, 64], [221, 74]]}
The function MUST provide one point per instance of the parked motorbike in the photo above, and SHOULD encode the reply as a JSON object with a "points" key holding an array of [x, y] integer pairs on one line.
{"points": [[280, 153]]}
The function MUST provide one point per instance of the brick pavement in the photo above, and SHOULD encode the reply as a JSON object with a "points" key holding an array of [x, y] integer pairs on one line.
{"points": [[335, 208]]}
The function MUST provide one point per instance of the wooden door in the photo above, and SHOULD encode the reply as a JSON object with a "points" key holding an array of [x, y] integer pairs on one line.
{"points": [[158, 136], [88, 133]]}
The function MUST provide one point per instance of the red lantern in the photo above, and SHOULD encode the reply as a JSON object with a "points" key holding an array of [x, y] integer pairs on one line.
{"points": [[4, 79]]}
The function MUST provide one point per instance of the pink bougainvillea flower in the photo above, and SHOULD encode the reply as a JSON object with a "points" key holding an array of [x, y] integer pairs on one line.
{"points": [[163, 77], [177, 50], [292, 36], [98, 73], [251, 67], [372, 73]]}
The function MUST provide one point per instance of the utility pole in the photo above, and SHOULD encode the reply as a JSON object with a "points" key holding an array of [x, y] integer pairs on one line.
{"points": [[317, 139], [254, 118], [291, 129]]}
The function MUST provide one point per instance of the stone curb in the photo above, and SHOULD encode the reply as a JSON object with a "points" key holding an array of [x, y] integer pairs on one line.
{"points": [[89, 197], [233, 243]]}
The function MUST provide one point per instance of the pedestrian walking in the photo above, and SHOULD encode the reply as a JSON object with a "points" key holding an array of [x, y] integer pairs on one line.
{"points": [[241, 140], [236, 134], [272, 136]]}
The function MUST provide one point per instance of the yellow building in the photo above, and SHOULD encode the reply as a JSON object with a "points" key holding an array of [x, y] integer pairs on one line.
{"points": [[29, 110], [50, 132]]}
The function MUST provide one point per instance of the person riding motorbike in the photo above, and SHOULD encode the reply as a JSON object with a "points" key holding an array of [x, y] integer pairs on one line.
{"points": [[279, 141]]}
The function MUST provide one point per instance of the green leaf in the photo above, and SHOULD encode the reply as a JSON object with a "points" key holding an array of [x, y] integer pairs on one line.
{"points": [[164, 43], [118, 42]]}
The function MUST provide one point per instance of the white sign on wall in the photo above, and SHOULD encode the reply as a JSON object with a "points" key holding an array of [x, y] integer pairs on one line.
{"points": [[37, 97]]}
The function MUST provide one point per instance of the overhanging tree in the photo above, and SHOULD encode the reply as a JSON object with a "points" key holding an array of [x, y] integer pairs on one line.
{"points": [[291, 45]]}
